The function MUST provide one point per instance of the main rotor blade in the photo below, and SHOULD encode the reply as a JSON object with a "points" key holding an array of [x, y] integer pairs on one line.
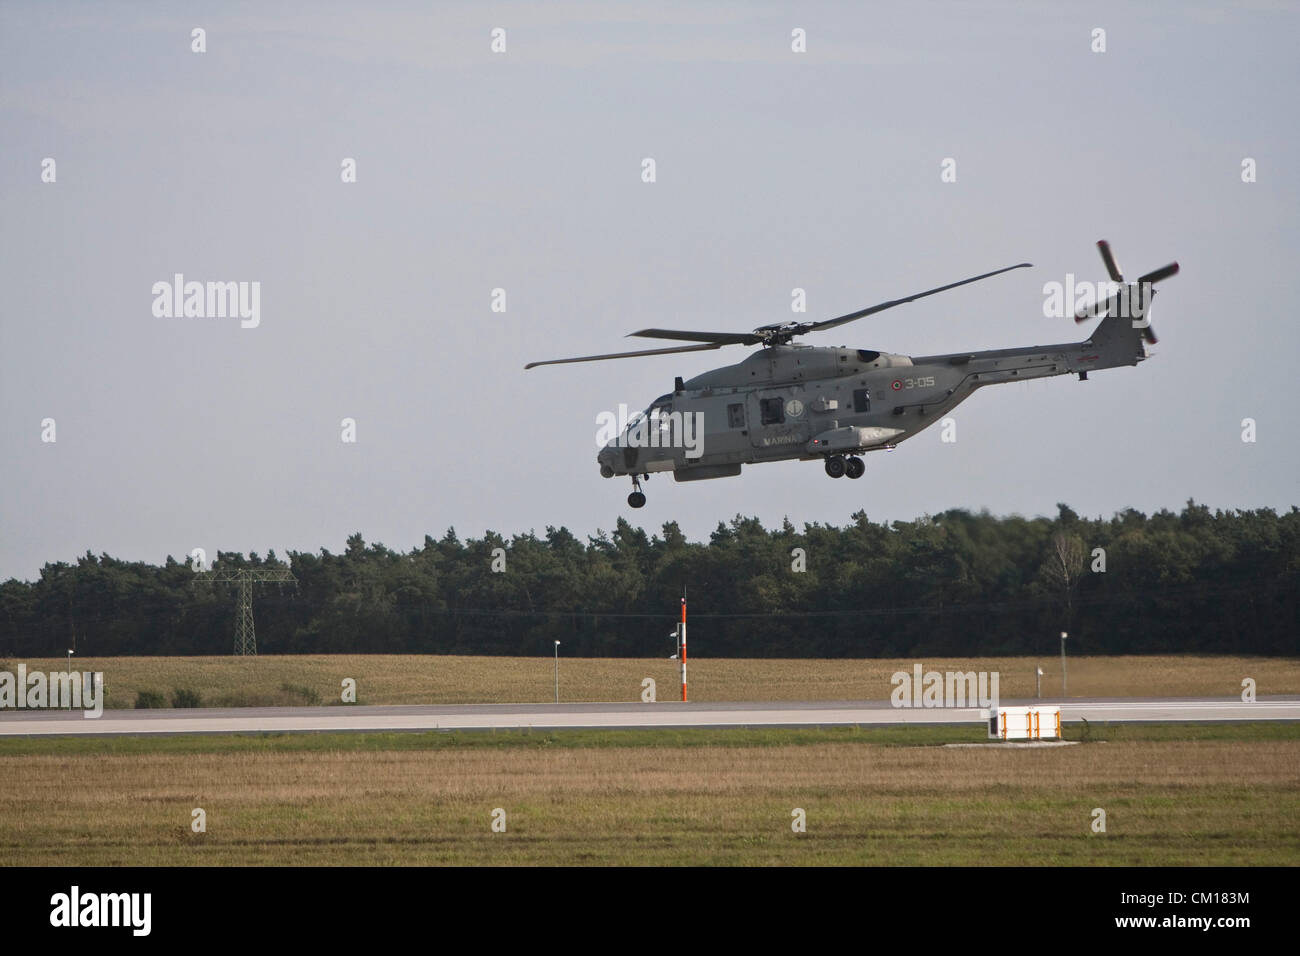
{"points": [[852, 316], [719, 338], [619, 355]]}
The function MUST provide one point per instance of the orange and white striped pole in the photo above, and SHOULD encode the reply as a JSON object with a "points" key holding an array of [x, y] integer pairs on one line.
{"points": [[683, 648]]}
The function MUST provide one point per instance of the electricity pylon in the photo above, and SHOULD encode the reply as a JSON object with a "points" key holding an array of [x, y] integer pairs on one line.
{"points": [[245, 637]]}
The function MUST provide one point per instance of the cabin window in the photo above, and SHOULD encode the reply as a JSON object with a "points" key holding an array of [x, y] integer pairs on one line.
{"points": [[736, 415], [862, 399], [773, 410]]}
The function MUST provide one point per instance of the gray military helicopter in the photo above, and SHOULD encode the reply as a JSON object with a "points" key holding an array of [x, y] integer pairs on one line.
{"points": [[789, 401]]}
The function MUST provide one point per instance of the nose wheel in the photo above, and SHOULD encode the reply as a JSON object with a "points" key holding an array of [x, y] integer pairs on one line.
{"points": [[637, 498]]}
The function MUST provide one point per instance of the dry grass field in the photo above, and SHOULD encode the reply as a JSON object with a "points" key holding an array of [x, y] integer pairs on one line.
{"points": [[1199, 800], [424, 679]]}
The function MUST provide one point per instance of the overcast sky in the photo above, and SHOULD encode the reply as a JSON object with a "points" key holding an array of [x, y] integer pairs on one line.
{"points": [[522, 171]]}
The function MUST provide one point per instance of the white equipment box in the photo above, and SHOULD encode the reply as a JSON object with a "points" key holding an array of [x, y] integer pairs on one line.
{"points": [[1024, 723]]}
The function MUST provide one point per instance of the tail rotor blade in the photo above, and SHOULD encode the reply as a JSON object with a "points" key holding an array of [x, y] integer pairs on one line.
{"points": [[1159, 274], [1108, 257]]}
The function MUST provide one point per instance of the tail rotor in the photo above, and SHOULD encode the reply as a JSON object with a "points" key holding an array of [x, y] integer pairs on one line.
{"points": [[1131, 300]]}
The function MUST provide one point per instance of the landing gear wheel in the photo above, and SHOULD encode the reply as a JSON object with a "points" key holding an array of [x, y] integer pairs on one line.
{"points": [[835, 466], [636, 499], [854, 468]]}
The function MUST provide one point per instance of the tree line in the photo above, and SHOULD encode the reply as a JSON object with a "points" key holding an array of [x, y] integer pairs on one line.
{"points": [[951, 584]]}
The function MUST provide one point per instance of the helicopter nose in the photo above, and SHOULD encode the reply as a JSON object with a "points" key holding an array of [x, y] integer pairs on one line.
{"points": [[605, 458]]}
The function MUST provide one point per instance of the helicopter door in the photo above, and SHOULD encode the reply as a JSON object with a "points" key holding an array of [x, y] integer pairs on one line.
{"points": [[778, 420]]}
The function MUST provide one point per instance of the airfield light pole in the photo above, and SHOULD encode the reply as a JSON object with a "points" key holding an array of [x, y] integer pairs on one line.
{"points": [[1038, 683], [557, 672], [1063, 637], [683, 648]]}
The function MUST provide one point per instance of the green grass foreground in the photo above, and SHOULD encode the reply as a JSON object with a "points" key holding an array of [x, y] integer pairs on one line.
{"points": [[1174, 794], [361, 741]]}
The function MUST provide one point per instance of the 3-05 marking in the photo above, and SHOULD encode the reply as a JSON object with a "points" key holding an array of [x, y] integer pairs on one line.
{"points": [[923, 381]]}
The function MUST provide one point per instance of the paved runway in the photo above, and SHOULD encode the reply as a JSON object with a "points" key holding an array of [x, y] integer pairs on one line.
{"points": [[621, 716]]}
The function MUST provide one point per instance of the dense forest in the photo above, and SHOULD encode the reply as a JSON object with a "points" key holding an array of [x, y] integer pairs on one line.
{"points": [[955, 583]]}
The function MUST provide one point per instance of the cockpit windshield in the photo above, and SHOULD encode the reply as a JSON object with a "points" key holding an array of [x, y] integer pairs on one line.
{"points": [[661, 405]]}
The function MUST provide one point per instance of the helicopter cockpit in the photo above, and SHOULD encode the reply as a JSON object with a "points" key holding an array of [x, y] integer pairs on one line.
{"points": [[661, 407]]}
